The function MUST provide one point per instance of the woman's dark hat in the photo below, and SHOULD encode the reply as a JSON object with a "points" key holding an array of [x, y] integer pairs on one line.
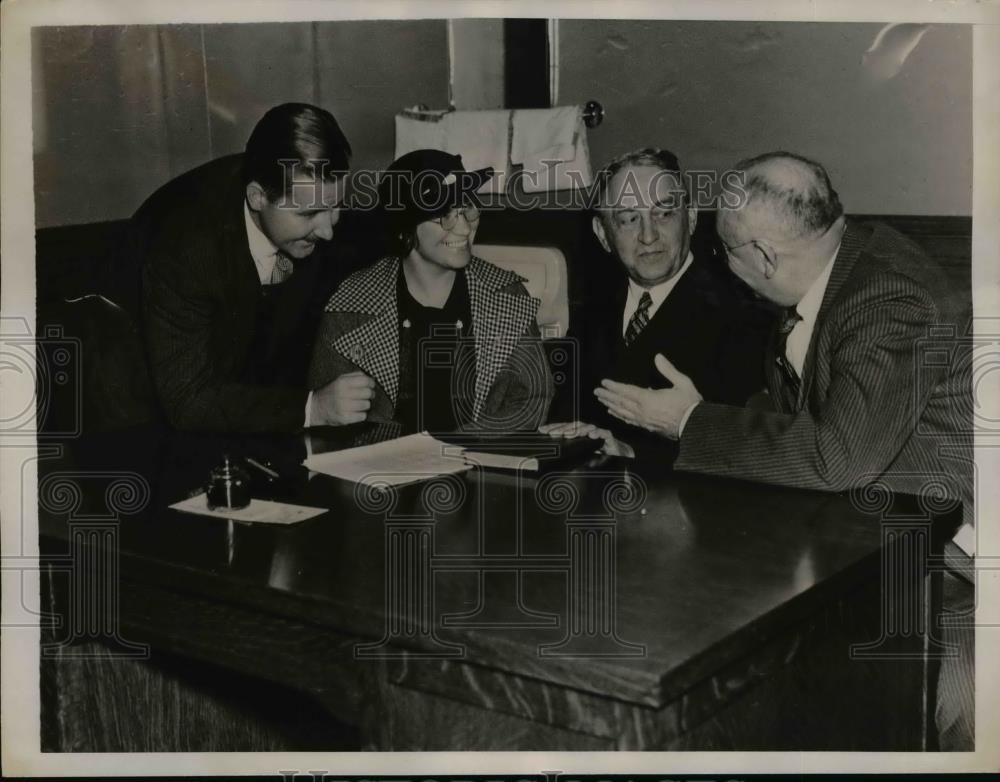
{"points": [[427, 183]]}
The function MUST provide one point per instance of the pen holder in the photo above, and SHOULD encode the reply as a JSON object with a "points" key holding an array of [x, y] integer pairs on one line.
{"points": [[228, 486]]}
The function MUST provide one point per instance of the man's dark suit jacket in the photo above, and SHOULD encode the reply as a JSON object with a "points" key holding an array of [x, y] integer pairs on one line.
{"points": [[882, 395], [706, 327], [201, 299]]}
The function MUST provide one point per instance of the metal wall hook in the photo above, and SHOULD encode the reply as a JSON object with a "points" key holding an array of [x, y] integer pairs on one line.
{"points": [[593, 114]]}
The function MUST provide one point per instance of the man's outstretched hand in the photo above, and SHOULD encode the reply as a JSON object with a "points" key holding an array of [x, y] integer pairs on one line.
{"points": [[660, 410]]}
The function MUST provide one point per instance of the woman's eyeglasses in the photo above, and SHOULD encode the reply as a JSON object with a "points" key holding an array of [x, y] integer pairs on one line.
{"points": [[450, 220]]}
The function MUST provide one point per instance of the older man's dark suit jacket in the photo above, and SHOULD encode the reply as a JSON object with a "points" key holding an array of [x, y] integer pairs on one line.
{"points": [[706, 327], [885, 393], [200, 302]]}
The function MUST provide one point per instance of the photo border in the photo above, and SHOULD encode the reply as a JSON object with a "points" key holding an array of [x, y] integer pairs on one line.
{"points": [[19, 664]]}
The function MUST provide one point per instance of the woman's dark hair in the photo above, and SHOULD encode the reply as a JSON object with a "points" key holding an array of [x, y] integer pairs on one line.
{"points": [[293, 138], [399, 240], [397, 217]]}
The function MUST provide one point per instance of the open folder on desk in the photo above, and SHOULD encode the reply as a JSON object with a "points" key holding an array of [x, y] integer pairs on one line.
{"points": [[416, 457]]}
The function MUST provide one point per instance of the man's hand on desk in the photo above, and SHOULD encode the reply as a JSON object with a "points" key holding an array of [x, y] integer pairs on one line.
{"points": [[662, 410], [612, 445], [345, 400]]}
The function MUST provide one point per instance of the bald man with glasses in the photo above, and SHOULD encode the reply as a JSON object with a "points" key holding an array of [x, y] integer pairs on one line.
{"points": [[854, 398]]}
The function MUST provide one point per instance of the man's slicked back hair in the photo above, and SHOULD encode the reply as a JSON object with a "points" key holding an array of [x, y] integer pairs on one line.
{"points": [[304, 136]]}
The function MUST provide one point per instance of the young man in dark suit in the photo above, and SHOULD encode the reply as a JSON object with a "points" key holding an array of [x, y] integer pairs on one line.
{"points": [[236, 266], [852, 400], [670, 299]]}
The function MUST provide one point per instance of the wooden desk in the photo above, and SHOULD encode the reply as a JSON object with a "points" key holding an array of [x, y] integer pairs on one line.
{"points": [[598, 608]]}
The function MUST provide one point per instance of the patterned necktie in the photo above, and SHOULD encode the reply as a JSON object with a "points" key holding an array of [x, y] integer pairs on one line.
{"points": [[789, 318], [282, 269], [639, 318]]}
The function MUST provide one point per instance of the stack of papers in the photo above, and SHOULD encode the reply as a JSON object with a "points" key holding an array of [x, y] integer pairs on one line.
{"points": [[416, 457]]}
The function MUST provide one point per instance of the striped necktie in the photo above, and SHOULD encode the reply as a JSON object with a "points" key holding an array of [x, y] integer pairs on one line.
{"points": [[789, 318], [639, 318], [282, 269]]}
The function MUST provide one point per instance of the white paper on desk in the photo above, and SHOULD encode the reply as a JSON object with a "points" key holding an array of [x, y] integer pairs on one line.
{"points": [[258, 511], [416, 457]]}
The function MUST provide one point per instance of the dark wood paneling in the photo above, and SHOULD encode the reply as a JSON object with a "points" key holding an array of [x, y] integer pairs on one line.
{"points": [[171, 704], [73, 260], [70, 258], [214, 691], [248, 681], [411, 720], [947, 239]]}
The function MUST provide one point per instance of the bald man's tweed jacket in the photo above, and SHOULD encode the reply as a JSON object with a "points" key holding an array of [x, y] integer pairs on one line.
{"points": [[885, 393], [359, 331]]}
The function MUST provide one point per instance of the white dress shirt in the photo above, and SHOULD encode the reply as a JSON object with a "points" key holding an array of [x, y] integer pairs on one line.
{"points": [[800, 336], [262, 250], [265, 254], [658, 293], [797, 344]]}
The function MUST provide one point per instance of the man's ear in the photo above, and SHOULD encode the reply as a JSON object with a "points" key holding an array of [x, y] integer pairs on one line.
{"points": [[692, 220], [256, 197], [769, 258], [597, 224]]}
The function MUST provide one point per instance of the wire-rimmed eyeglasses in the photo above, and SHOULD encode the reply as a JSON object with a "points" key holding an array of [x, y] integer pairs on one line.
{"points": [[449, 220], [730, 250]]}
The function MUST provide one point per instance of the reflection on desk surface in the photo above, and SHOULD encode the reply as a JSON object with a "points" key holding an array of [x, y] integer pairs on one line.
{"points": [[646, 574]]}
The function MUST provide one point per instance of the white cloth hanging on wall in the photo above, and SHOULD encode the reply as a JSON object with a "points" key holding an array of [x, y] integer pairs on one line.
{"points": [[482, 138], [550, 144]]}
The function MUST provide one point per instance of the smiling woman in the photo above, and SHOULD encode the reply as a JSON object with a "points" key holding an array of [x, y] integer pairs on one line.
{"points": [[449, 339]]}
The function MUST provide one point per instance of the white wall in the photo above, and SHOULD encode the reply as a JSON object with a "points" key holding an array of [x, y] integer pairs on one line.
{"points": [[714, 92]]}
